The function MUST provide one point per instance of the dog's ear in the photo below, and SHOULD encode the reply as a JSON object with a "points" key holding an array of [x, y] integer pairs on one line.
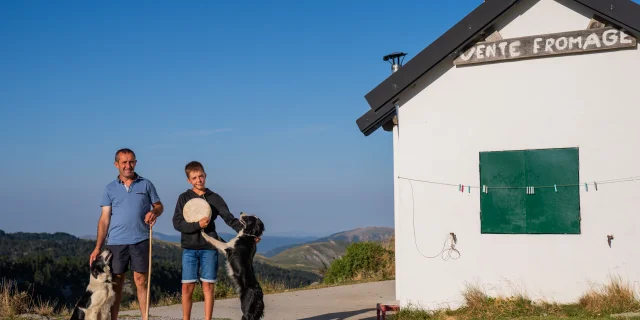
{"points": [[260, 228]]}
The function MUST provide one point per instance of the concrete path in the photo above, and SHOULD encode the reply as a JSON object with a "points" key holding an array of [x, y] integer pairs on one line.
{"points": [[342, 302]]}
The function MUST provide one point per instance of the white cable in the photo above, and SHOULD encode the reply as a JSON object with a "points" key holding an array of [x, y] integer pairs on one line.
{"points": [[449, 237]]}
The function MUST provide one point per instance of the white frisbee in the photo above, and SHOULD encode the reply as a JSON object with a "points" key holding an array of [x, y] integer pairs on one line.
{"points": [[196, 209]]}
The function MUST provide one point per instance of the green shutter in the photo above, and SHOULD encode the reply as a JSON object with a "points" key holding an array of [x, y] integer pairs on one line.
{"points": [[503, 210], [544, 212], [548, 211]]}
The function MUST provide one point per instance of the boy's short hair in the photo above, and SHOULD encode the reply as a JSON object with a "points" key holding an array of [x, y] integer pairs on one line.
{"points": [[192, 167]]}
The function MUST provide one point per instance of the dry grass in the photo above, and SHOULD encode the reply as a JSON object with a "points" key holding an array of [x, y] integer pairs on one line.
{"points": [[478, 305], [43, 307], [14, 302], [615, 297]]}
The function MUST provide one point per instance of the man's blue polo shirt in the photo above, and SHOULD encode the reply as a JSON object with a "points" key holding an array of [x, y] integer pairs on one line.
{"points": [[128, 208]]}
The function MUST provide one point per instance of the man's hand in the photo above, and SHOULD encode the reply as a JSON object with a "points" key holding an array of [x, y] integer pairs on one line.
{"points": [[94, 255], [204, 222], [150, 218], [257, 240]]}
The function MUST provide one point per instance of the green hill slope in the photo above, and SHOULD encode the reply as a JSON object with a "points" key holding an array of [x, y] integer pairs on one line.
{"points": [[317, 255]]}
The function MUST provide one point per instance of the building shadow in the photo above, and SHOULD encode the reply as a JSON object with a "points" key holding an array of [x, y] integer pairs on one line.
{"points": [[342, 315]]}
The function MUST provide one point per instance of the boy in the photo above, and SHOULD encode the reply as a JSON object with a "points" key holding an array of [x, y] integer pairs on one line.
{"points": [[197, 254]]}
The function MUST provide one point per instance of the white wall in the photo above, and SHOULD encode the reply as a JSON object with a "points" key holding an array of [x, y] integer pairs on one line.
{"points": [[588, 101]]}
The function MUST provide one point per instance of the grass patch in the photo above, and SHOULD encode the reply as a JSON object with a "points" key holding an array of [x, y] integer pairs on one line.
{"points": [[612, 298], [615, 297], [14, 302]]}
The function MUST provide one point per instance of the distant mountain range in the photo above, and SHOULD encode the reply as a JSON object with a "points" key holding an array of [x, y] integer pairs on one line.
{"points": [[267, 243]]}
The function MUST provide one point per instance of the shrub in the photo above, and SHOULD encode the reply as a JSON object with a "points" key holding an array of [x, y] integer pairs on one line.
{"points": [[362, 260]]}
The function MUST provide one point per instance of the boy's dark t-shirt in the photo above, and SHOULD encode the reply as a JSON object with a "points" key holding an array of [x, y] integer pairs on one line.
{"points": [[190, 231]]}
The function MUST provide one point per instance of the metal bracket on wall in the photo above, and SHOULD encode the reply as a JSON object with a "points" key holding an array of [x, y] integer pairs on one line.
{"points": [[597, 22]]}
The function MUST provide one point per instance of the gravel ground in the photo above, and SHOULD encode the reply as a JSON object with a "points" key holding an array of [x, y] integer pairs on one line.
{"points": [[343, 302]]}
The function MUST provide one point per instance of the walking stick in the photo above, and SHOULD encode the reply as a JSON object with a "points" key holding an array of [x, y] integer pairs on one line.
{"points": [[149, 274]]}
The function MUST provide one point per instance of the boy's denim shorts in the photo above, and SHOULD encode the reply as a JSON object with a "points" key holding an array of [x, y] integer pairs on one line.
{"points": [[205, 261]]}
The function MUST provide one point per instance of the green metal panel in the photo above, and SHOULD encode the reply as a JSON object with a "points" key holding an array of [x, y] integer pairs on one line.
{"points": [[503, 210], [550, 212], [511, 210]]}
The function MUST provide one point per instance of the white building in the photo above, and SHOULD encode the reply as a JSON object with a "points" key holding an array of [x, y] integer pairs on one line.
{"points": [[518, 94]]}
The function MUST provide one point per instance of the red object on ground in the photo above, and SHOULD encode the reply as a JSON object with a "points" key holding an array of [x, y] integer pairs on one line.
{"points": [[382, 308]]}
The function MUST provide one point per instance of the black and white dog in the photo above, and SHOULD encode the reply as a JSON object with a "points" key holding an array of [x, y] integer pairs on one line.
{"points": [[95, 303], [239, 253]]}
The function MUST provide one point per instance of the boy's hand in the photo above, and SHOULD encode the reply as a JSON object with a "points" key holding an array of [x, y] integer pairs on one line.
{"points": [[204, 222]]}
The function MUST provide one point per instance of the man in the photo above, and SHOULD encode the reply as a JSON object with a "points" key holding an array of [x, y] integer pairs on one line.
{"points": [[130, 205]]}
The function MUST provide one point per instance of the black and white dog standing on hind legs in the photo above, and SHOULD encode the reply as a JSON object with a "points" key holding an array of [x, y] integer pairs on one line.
{"points": [[239, 253], [96, 302]]}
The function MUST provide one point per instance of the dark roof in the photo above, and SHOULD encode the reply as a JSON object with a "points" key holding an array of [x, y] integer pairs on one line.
{"points": [[623, 13]]}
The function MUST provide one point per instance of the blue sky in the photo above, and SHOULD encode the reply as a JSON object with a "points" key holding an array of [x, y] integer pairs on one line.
{"points": [[265, 95]]}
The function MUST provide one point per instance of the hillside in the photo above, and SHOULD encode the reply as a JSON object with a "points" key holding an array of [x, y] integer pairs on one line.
{"points": [[267, 242], [55, 266], [316, 255], [309, 257]]}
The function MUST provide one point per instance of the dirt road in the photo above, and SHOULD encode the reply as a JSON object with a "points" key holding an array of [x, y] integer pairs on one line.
{"points": [[342, 302]]}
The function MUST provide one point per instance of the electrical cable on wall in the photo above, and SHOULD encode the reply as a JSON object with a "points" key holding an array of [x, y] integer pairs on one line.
{"points": [[449, 238]]}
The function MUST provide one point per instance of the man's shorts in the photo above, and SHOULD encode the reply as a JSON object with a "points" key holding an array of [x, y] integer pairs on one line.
{"points": [[136, 255], [205, 261]]}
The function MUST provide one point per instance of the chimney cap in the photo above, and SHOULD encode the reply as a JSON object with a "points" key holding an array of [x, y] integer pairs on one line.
{"points": [[394, 55]]}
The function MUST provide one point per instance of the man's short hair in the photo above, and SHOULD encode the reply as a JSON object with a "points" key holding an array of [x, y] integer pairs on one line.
{"points": [[124, 151], [193, 166]]}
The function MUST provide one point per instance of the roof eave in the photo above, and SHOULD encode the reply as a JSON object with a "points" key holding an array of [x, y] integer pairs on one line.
{"points": [[623, 13], [456, 38], [372, 121]]}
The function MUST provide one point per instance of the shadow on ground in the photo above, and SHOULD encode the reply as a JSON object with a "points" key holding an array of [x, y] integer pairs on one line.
{"points": [[341, 315]]}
